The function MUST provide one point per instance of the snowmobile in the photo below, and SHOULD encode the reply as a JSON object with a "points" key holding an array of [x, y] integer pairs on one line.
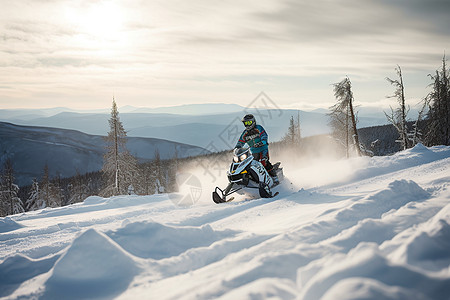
{"points": [[247, 172]]}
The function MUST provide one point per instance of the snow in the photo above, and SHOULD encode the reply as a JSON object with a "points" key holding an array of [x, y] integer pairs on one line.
{"points": [[6, 224], [363, 228], [92, 266]]}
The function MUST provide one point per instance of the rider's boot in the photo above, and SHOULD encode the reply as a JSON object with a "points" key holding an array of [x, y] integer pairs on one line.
{"points": [[274, 176], [275, 180]]}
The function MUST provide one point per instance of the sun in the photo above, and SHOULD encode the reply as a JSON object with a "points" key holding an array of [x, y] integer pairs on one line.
{"points": [[100, 20], [104, 20]]}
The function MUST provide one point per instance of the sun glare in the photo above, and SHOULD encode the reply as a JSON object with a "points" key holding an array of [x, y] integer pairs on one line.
{"points": [[101, 20], [104, 20]]}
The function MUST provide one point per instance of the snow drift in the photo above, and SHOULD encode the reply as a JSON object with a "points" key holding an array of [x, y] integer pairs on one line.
{"points": [[382, 231]]}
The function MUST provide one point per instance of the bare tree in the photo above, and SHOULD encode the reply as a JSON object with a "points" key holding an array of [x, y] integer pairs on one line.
{"points": [[119, 166], [397, 117], [342, 116]]}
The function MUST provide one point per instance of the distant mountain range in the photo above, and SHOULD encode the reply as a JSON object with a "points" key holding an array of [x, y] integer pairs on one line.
{"points": [[70, 140], [190, 109], [69, 151], [203, 125]]}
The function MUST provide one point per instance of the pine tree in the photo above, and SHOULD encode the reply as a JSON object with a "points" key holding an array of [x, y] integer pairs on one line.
{"points": [[78, 189], [157, 174], [10, 203], [297, 128], [35, 200], [416, 135], [146, 176], [342, 116], [57, 191], [49, 193], [289, 138], [438, 101], [397, 117], [119, 167], [173, 166], [293, 135]]}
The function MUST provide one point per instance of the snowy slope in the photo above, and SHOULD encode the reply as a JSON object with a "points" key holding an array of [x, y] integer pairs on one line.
{"points": [[364, 228]]}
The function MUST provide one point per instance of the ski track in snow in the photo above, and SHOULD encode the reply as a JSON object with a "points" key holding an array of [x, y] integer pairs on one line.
{"points": [[383, 232]]}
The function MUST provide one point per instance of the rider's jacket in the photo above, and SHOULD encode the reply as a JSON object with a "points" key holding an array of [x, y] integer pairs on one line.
{"points": [[256, 138]]}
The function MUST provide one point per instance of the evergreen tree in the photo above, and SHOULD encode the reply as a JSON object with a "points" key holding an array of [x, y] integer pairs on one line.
{"points": [[119, 167], [158, 174], [416, 136], [293, 135], [48, 191], [146, 184], [342, 117], [438, 101], [289, 138], [45, 186], [78, 189], [173, 166], [397, 117], [297, 128], [10, 203], [58, 191], [35, 200]]}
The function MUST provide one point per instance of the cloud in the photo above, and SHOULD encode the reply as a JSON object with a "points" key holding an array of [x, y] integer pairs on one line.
{"points": [[434, 13], [303, 21], [172, 50]]}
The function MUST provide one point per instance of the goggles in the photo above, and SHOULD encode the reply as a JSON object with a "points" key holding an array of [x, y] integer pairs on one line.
{"points": [[248, 123]]}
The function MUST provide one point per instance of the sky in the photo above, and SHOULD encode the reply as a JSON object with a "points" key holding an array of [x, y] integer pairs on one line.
{"points": [[79, 54]]}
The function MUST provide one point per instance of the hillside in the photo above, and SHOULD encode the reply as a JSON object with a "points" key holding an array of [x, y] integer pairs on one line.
{"points": [[199, 125], [69, 151], [363, 228]]}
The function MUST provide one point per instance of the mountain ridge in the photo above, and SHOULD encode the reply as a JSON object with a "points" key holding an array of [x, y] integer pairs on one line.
{"points": [[31, 147]]}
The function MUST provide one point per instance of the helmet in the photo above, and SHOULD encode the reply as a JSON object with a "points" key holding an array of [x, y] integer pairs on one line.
{"points": [[249, 121]]}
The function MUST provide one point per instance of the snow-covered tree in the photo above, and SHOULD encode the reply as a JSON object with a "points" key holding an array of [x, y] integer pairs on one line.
{"points": [[415, 136], [145, 185], [10, 203], [158, 177], [172, 169], [398, 116], [297, 128], [58, 191], [35, 200], [438, 101], [342, 116], [289, 138], [78, 189], [292, 137], [48, 191], [119, 166]]}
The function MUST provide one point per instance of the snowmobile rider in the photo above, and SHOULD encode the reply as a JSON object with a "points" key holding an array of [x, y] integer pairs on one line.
{"points": [[256, 137]]}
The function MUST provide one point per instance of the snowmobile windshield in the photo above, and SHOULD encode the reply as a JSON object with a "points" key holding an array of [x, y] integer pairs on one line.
{"points": [[240, 154]]}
